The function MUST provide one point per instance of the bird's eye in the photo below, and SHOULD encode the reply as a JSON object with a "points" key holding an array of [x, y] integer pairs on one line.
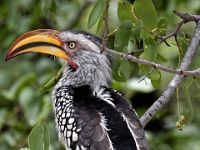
{"points": [[71, 45]]}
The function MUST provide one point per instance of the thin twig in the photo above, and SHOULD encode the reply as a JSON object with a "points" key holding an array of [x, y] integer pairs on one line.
{"points": [[145, 76], [179, 73], [154, 65], [185, 18], [106, 30], [183, 72], [164, 38]]}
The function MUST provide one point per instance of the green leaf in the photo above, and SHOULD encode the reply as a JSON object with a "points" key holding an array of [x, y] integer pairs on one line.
{"points": [[154, 75], [162, 25], [100, 25], [96, 12], [121, 70], [150, 51], [161, 58], [196, 61], [48, 84], [39, 138], [116, 76], [46, 137], [183, 42], [145, 10], [35, 139], [124, 11], [144, 69], [155, 78], [156, 83], [124, 70], [136, 34], [122, 35]]}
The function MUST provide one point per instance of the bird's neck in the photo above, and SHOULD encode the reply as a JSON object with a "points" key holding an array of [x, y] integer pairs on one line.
{"points": [[92, 75]]}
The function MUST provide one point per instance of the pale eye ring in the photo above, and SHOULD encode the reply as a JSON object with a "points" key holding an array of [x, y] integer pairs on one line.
{"points": [[72, 45]]}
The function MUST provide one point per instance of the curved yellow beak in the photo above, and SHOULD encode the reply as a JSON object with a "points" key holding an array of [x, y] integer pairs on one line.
{"points": [[42, 41]]}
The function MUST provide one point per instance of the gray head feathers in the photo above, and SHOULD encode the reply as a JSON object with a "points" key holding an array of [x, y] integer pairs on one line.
{"points": [[94, 67]]}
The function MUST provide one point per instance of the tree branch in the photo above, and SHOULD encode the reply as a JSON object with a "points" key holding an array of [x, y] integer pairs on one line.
{"points": [[105, 32], [168, 93], [135, 59], [185, 18], [164, 38], [179, 73]]}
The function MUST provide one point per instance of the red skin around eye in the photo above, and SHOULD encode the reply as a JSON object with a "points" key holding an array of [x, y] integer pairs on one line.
{"points": [[71, 63]]}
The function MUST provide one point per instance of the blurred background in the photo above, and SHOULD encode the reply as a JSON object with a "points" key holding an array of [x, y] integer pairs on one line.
{"points": [[23, 103]]}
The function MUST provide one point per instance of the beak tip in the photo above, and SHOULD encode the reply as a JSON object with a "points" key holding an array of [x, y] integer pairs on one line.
{"points": [[8, 57]]}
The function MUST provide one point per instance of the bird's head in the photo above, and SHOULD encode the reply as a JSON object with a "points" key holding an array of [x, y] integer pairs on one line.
{"points": [[79, 52]]}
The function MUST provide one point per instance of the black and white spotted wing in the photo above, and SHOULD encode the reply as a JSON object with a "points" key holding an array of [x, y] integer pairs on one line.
{"points": [[79, 128]]}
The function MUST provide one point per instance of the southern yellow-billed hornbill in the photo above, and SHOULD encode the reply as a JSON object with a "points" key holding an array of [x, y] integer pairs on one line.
{"points": [[89, 114]]}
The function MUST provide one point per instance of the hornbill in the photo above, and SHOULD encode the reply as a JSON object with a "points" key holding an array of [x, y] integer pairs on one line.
{"points": [[89, 114]]}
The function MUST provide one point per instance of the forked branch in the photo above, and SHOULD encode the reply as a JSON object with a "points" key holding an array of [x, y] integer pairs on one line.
{"points": [[169, 91], [180, 73]]}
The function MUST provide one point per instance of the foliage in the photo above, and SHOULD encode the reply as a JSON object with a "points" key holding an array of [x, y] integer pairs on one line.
{"points": [[39, 138], [26, 82]]}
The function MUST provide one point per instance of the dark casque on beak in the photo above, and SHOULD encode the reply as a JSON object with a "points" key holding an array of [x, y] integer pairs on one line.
{"points": [[42, 41]]}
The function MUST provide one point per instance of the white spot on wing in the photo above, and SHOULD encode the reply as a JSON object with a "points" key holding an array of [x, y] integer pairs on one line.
{"points": [[68, 142], [65, 133], [64, 121], [68, 114], [71, 120], [69, 126], [69, 133], [74, 137], [63, 115]]}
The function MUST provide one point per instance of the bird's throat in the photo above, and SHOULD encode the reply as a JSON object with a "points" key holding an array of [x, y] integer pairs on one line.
{"points": [[87, 68], [84, 75], [73, 65]]}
